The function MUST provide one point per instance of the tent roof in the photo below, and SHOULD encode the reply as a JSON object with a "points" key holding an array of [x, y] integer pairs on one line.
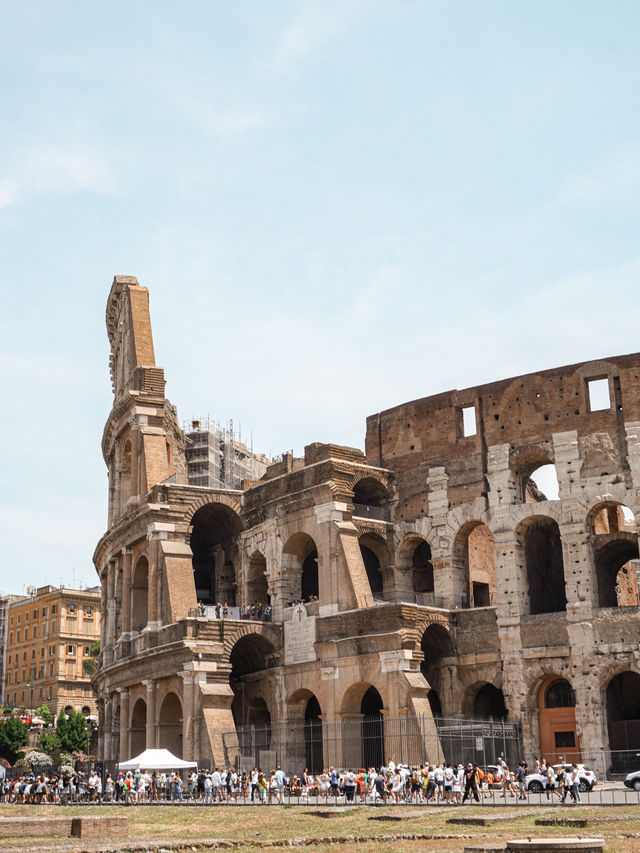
{"points": [[155, 759]]}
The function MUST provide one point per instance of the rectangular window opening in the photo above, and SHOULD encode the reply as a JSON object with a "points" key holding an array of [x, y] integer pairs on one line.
{"points": [[565, 740], [599, 397], [469, 421]]}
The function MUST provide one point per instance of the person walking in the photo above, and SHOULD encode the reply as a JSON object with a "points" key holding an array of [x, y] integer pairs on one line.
{"points": [[470, 783], [522, 780]]}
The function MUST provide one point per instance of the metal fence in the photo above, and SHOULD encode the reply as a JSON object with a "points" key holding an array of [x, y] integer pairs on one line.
{"points": [[370, 741]]}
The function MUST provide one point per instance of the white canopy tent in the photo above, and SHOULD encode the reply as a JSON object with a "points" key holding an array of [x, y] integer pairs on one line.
{"points": [[155, 759]]}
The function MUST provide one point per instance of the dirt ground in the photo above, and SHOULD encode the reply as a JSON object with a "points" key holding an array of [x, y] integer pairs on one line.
{"points": [[189, 828]]}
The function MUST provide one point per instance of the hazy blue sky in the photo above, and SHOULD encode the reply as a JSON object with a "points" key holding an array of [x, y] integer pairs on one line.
{"points": [[337, 207]]}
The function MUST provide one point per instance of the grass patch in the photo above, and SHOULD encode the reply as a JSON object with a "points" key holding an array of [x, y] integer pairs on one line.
{"points": [[255, 824]]}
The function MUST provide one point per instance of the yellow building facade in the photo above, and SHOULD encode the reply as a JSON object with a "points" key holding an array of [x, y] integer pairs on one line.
{"points": [[49, 635]]}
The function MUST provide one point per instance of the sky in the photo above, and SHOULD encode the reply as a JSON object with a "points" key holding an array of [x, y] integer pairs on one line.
{"points": [[337, 207]]}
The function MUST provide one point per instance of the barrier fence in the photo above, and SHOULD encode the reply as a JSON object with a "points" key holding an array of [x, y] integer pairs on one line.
{"points": [[370, 741]]}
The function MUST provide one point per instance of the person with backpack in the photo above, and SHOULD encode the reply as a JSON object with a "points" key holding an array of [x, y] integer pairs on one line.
{"points": [[470, 783]]}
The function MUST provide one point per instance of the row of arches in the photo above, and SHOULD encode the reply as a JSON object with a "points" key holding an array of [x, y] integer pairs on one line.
{"points": [[167, 726], [214, 542]]}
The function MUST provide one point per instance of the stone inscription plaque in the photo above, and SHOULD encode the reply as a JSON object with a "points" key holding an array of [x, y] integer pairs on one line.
{"points": [[299, 637]]}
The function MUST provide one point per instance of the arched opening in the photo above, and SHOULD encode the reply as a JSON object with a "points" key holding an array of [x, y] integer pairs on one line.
{"points": [[313, 751], [436, 644], [375, 556], [489, 702], [614, 539], [474, 565], [535, 473], [542, 485], [372, 729], [369, 492], [310, 587], [557, 720], [623, 720], [257, 588], [138, 728], [300, 558], [249, 656], [544, 565], [140, 595], [170, 724], [616, 563], [214, 535], [422, 572], [86, 711]]}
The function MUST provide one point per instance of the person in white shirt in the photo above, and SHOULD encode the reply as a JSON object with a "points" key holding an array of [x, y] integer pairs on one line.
{"points": [[216, 780]]}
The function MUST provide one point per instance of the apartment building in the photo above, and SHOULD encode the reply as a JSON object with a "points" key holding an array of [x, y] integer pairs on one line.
{"points": [[49, 635]]}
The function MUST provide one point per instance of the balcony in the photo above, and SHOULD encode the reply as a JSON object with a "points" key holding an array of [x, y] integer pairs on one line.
{"points": [[376, 513]]}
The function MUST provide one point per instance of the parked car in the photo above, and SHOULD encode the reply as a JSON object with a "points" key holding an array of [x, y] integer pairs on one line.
{"points": [[587, 780], [633, 780]]}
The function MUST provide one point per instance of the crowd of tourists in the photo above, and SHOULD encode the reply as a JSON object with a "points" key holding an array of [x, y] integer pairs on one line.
{"points": [[62, 788], [442, 784], [258, 611]]}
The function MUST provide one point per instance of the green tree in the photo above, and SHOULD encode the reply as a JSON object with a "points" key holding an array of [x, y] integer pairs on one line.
{"points": [[72, 731], [44, 711], [14, 734], [50, 743]]}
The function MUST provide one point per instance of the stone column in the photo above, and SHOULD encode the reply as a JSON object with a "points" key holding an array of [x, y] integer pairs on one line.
{"points": [[151, 714], [444, 581], [187, 715], [107, 732], [567, 461], [124, 723]]}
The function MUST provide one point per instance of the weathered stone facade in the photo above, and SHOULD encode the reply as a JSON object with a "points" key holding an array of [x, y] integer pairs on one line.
{"points": [[438, 577]]}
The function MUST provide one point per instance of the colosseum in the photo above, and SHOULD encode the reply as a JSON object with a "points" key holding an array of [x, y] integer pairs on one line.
{"points": [[420, 599]]}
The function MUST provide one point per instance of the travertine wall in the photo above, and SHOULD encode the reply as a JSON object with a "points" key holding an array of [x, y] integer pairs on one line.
{"points": [[490, 535]]}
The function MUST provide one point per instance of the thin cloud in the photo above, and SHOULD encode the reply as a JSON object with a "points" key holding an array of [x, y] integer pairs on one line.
{"points": [[317, 24], [618, 177], [55, 169]]}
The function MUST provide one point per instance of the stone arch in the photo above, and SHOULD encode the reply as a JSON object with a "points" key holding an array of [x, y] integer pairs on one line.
{"points": [[362, 710], [170, 723], [485, 700], [540, 546], [138, 728], [376, 558], [301, 562], [614, 542], [230, 501], [436, 644], [140, 594], [474, 565], [622, 696], [251, 654], [369, 491], [304, 705], [414, 554], [556, 702], [214, 534], [524, 462], [257, 588]]}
